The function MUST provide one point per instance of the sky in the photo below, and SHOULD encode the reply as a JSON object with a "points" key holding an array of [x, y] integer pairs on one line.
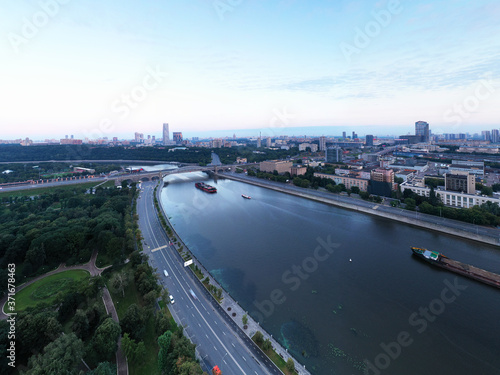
{"points": [[103, 69]]}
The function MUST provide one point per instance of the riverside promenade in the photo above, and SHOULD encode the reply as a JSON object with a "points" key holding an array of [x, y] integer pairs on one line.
{"points": [[231, 307], [461, 229]]}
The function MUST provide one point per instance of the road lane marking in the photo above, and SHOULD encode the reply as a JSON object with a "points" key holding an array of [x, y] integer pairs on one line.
{"points": [[158, 248]]}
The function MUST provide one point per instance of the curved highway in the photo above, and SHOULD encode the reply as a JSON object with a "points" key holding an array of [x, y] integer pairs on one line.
{"points": [[219, 341]]}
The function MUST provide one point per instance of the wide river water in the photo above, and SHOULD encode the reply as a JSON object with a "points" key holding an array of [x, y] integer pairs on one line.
{"points": [[340, 289]]}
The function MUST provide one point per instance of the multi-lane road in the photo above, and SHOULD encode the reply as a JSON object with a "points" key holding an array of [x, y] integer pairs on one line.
{"points": [[219, 341]]}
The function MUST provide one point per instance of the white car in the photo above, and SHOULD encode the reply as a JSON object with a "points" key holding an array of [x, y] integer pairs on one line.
{"points": [[171, 299], [165, 273], [192, 294]]}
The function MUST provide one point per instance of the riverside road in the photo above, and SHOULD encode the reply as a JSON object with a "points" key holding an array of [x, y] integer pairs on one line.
{"points": [[219, 342]]}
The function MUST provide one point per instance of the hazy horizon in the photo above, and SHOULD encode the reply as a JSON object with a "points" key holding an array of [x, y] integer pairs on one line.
{"points": [[111, 69]]}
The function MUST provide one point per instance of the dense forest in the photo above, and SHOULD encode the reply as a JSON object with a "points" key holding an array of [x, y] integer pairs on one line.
{"points": [[67, 329], [37, 233], [198, 155]]}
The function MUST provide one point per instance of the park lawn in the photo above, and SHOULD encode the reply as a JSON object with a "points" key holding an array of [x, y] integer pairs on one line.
{"points": [[53, 189], [46, 289]]}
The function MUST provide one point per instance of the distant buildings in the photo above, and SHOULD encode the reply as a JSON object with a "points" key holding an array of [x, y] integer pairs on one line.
{"points": [[382, 175], [166, 135], [312, 146], [275, 165], [462, 182], [177, 137], [369, 140], [422, 130], [333, 155], [347, 181], [322, 143], [298, 170]]}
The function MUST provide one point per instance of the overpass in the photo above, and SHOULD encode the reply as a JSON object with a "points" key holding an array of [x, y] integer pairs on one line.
{"points": [[159, 175]]}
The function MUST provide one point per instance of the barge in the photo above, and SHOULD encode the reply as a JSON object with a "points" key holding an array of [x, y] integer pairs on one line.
{"points": [[440, 260]]}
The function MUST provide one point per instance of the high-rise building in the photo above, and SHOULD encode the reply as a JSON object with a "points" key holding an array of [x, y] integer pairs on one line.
{"points": [[166, 136], [259, 143], [322, 143], [354, 135], [177, 137], [369, 140], [268, 142], [422, 130], [333, 155], [344, 135], [495, 136], [139, 137], [486, 135]]}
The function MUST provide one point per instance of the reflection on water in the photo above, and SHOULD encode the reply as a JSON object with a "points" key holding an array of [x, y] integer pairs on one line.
{"points": [[343, 309]]}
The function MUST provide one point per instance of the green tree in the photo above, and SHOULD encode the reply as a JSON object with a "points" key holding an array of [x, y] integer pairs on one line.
{"points": [[80, 324], [244, 319], [410, 203], [60, 357], [133, 322], [290, 365], [105, 339], [259, 337], [355, 189], [266, 345], [164, 344]]}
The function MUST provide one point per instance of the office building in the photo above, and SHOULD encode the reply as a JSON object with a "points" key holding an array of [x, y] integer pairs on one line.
{"points": [[177, 137], [259, 143], [139, 137], [347, 181], [462, 182], [382, 175], [322, 143], [495, 136], [268, 142], [344, 135], [166, 136], [333, 155], [422, 130], [275, 165], [369, 140]]}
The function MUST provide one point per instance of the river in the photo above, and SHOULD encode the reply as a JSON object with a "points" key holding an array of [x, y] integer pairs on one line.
{"points": [[340, 289]]}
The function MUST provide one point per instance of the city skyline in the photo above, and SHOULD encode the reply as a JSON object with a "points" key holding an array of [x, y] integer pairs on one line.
{"points": [[104, 70]]}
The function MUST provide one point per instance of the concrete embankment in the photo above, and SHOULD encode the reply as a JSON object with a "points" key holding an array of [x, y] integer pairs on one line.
{"points": [[424, 221]]}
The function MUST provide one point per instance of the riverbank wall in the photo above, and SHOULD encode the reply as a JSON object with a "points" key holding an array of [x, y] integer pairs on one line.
{"points": [[415, 221]]}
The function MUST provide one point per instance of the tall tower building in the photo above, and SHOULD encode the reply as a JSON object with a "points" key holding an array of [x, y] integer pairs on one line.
{"points": [[422, 129], [322, 143], [369, 140], [495, 136], [166, 137]]}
